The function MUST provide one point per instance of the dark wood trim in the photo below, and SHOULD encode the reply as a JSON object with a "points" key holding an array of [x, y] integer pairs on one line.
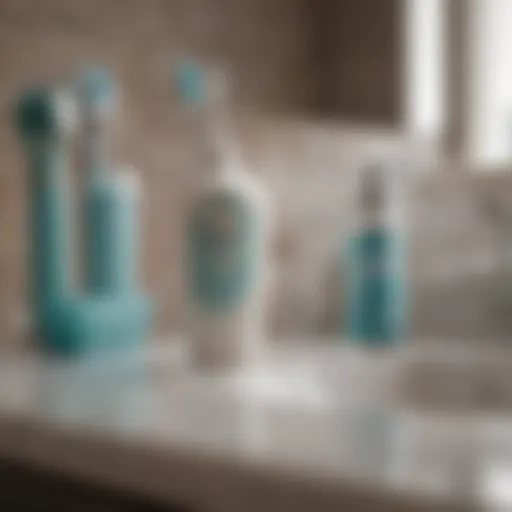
{"points": [[30, 489]]}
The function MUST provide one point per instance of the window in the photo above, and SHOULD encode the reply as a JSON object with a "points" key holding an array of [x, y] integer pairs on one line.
{"points": [[488, 46], [424, 66], [458, 75]]}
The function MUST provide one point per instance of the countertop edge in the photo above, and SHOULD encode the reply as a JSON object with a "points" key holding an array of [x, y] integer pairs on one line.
{"points": [[205, 482]]}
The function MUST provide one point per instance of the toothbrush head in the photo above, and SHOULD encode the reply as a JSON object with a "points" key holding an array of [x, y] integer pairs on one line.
{"points": [[190, 83], [97, 90], [45, 113]]}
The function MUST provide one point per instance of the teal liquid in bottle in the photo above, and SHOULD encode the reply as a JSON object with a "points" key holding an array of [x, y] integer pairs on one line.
{"points": [[376, 286]]}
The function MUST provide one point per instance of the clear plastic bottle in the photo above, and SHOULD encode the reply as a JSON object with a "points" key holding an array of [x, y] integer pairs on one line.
{"points": [[227, 230]]}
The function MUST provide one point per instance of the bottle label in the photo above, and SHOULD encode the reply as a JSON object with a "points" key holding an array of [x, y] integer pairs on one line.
{"points": [[222, 251]]}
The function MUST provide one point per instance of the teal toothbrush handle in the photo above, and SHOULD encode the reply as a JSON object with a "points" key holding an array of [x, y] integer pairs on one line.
{"points": [[111, 218], [49, 213]]}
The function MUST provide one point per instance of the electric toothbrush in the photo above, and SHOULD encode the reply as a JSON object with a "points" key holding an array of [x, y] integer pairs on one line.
{"points": [[46, 119], [111, 196], [119, 315]]}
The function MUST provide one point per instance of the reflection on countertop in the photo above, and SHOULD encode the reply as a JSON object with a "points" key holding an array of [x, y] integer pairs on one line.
{"points": [[328, 418]]}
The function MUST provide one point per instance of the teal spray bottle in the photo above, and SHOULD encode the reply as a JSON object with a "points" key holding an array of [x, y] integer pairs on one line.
{"points": [[375, 260]]}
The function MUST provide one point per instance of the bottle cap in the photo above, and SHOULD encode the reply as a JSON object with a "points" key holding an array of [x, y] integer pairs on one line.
{"points": [[373, 187]]}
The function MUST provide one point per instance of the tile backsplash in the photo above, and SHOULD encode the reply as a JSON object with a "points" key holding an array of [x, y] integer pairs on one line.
{"points": [[308, 166]]}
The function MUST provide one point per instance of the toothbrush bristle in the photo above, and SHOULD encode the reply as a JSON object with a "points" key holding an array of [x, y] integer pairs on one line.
{"points": [[36, 114], [190, 82], [97, 87]]}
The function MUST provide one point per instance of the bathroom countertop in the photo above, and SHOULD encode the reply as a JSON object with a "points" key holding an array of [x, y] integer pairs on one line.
{"points": [[311, 429]]}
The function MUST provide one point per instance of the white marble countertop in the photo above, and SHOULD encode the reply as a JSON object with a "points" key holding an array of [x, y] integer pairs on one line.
{"points": [[309, 430]]}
